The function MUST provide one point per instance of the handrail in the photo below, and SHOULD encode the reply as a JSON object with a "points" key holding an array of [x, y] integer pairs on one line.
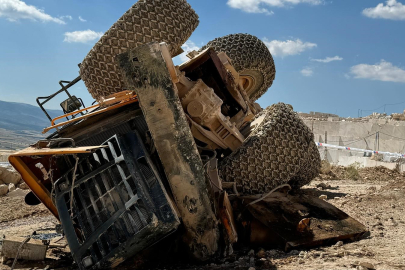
{"points": [[113, 101], [72, 113], [64, 88]]}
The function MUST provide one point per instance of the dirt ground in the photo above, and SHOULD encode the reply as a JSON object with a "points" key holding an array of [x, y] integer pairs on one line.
{"points": [[378, 202]]}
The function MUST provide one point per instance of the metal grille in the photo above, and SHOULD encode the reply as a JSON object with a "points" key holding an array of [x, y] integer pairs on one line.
{"points": [[105, 135], [117, 198], [138, 123]]}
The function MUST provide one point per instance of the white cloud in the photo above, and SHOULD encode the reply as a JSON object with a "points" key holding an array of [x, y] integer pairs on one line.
{"points": [[14, 10], [393, 10], [82, 36], [189, 46], [66, 17], [259, 6], [328, 59], [288, 47], [307, 72], [383, 71], [81, 19]]}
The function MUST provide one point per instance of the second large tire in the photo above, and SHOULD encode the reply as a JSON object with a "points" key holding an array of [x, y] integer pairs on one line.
{"points": [[251, 58], [170, 21], [310, 168], [275, 153]]}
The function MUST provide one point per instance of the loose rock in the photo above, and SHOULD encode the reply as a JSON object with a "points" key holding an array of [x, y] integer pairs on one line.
{"points": [[252, 261], [323, 197], [339, 244], [367, 265], [303, 254], [273, 253], [23, 186], [9, 176], [261, 254], [11, 187], [3, 190], [17, 193], [324, 186], [294, 252]]}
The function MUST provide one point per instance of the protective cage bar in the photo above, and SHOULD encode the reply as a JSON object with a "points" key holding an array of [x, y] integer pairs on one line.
{"points": [[119, 204], [63, 89]]}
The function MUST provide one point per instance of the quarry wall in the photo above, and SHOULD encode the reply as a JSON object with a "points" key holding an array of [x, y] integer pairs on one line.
{"points": [[372, 134]]}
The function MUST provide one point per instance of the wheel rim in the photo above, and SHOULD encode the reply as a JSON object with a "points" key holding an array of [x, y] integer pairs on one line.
{"points": [[248, 83]]}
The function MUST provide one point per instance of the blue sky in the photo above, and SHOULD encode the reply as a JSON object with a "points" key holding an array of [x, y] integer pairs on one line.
{"points": [[331, 56]]}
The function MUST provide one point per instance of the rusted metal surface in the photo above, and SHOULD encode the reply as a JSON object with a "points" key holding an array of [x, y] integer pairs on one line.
{"points": [[146, 73], [293, 221], [227, 218]]}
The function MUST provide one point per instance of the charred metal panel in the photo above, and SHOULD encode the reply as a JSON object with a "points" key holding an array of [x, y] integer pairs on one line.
{"points": [[119, 205], [294, 221], [146, 73]]}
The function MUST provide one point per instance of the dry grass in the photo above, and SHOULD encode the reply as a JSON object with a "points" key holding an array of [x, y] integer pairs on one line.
{"points": [[352, 171]]}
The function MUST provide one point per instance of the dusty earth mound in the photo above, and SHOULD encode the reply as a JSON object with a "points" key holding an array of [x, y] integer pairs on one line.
{"points": [[13, 208], [354, 172]]}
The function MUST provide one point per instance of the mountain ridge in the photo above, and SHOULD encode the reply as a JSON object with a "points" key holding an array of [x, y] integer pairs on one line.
{"points": [[21, 116]]}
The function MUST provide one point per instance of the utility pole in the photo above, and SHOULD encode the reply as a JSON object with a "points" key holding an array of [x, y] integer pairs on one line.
{"points": [[326, 149], [377, 141]]}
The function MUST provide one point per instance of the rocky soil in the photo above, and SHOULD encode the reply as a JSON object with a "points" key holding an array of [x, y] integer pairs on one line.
{"points": [[10, 181], [355, 172], [377, 200]]}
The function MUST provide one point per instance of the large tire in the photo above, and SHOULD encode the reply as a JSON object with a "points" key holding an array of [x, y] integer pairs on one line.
{"points": [[310, 169], [251, 58], [274, 153], [170, 21]]}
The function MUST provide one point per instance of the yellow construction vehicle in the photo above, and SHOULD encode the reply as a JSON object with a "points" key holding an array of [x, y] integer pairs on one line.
{"points": [[177, 151]]}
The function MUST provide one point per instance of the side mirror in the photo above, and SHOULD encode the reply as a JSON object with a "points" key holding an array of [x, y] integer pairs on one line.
{"points": [[71, 104]]}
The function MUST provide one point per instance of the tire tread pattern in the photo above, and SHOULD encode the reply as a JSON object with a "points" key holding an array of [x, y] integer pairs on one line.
{"points": [[170, 21], [280, 149], [248, 53]]}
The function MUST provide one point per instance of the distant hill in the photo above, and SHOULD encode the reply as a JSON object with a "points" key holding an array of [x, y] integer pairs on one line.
{"points": [[20, 117]]}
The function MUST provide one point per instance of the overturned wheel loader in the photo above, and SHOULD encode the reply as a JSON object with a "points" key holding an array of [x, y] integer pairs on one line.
{"points": [[177, 151]]}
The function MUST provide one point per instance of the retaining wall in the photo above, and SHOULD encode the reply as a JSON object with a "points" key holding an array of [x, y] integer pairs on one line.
{"points": [[359, 135]]}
